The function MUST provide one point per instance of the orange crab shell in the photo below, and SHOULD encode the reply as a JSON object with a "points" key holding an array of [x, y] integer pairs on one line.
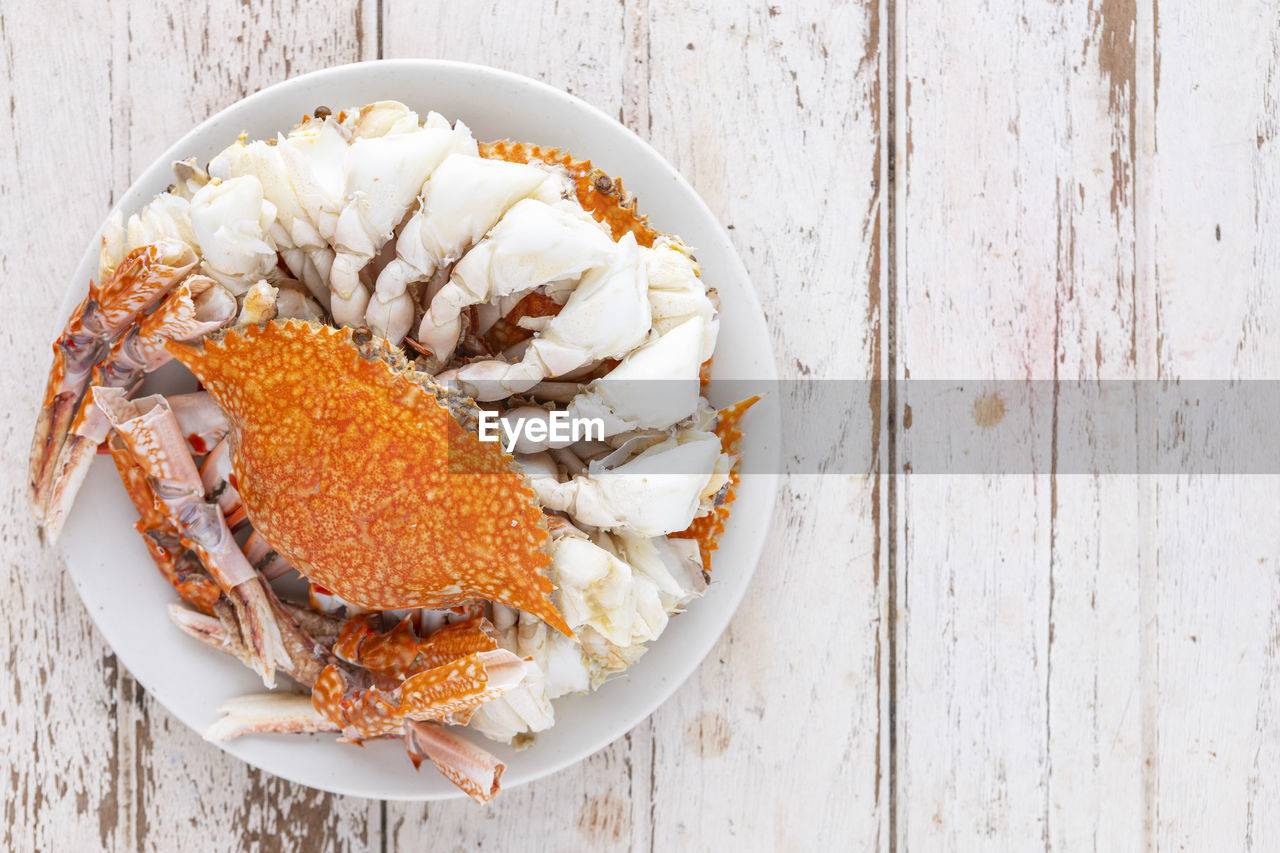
{"points": [[399, 653], [356, 474]]}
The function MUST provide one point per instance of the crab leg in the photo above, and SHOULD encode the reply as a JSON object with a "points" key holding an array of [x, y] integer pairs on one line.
{"points": [[267, 713], [474, 770], [447, 692], [259, 552], [197, 307], [174, 560], [144, 276], [477, 772], [399, 653], [152, 434], [321, 626]]}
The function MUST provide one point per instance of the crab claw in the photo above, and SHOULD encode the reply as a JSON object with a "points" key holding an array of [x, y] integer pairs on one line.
{"points": [[145, 275], [474, 770], [196, 307], [396, 505]]}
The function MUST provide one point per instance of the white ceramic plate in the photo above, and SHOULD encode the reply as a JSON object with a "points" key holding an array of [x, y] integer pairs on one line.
{"points": [[126, 596]]}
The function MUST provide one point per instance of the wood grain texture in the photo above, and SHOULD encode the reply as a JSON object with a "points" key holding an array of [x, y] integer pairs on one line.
{"points": [[774, 113], [1080, 190], [62, 782], [1215, 265], [1018, 721]]}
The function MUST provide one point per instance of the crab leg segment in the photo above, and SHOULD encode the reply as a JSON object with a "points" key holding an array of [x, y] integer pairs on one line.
{"points": [[471, 768], [451, 690], [474, 770], [203, 423], [400, 654], [152, 434], [267, 713], [174, 560], [144, 276], [216, 477]]}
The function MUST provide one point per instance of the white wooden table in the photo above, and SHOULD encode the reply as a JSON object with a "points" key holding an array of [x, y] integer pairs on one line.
{"points": [[920, 189]]}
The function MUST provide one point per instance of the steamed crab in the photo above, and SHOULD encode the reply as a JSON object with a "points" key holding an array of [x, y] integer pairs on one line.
{"points": [[450, 583]]}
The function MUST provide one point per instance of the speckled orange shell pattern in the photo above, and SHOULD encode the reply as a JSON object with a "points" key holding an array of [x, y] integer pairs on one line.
{"points": [[362, 480], [171, 557], [399, 653], [451, 689]]}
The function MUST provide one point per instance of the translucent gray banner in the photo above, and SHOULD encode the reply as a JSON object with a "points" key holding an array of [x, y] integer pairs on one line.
{"points": [[923, 427]]}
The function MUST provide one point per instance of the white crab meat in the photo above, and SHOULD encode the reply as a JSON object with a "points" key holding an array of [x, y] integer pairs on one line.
{"points": [[607, 315], [386, 165], [232, 221], [292, 302], [560, 667], [532, 245], [676, 294], [600, 591], [657, 492], [462, 200], [616, 592], [654, 387], [165, 217], [258, 304], [314, 155], [295, 232], [674, 566]]}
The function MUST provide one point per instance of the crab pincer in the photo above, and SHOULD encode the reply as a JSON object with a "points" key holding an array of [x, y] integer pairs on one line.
{"points": [[110, 308], [196, 307]]}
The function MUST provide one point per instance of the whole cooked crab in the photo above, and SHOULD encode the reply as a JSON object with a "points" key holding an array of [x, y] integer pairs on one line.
{"points": [[450, 583]]}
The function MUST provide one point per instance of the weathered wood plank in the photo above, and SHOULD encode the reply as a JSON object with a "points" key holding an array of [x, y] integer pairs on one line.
{"points": [[175, 67], [775, 114], [1216, 201], [1017, 650], [61, 783], [602, 803]]}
